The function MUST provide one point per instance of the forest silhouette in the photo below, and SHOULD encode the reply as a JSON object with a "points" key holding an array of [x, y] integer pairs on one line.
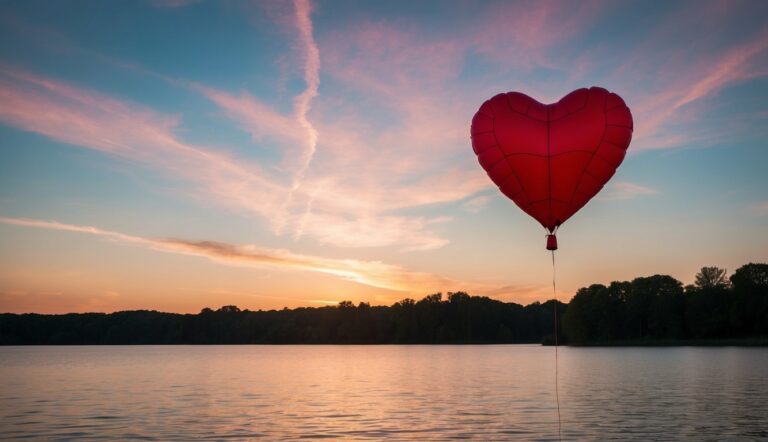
{"points": [[654, 310]]}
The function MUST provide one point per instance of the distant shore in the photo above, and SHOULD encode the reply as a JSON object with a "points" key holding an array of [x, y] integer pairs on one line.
{"points": [[754, 342], [638, 343], [653, 311]]}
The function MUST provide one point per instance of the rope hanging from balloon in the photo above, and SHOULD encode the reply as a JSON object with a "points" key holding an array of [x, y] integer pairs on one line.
{"points": [[557, 389]]}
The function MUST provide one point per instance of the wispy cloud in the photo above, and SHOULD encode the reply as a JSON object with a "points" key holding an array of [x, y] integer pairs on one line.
{"points": [[622, 190], [303, 101], [348, 212], [670, 86], [261, 121], [92, 120], [476, 204], [524, 34], [731, 68], [659, 110], [172, 3], [391, 135], [371, 273], [365, 172]]}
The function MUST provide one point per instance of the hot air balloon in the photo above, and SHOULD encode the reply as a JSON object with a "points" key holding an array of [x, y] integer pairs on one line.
{"points": [[551, 159]]}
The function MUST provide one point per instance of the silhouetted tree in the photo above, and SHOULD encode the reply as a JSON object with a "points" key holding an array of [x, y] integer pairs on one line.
{"points": [[707, 311], [711, 278], [751, 277], [654, 307], [749, 311], [590, 315]]}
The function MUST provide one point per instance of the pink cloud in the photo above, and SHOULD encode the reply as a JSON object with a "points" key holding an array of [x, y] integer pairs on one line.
{"points": [[91, 120], [694, 85], [260, 120], [350, 165], [523, 34], [344, 198], [381, 57], [362, 170], [669, 86]]}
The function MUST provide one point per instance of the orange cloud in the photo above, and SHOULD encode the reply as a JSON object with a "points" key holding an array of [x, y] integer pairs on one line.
{"points": [[371, 273]]}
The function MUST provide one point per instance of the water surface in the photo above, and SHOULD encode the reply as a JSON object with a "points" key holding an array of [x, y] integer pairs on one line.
{"points": [[494, 392]]}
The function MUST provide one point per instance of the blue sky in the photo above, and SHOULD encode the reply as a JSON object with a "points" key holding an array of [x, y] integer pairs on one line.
{"points": [[182, 154]]}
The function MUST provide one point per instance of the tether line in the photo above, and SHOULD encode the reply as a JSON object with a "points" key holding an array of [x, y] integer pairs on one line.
{"points": [[557, 390]]}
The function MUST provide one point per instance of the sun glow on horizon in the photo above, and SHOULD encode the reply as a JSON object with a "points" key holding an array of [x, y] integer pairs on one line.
{"points": [[305, 153]]}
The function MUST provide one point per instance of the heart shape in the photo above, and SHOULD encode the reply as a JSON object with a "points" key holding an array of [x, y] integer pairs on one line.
{"points": [[552, 159]]}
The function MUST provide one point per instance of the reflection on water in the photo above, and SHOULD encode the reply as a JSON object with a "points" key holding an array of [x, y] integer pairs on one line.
{"points": [[496, 392]]}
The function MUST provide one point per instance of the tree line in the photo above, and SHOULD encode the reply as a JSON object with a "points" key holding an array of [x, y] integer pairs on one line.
{"points": [[644, 309], [660, 308]]}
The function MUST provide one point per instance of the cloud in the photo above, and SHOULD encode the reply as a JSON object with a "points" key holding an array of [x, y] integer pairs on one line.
{"points": [[670, 86], [622, 190], [371, 273], [373, 231], [92, 120], [172, 3], [524, 34], [731, 68], [391, 133], [303, 101], [323, 302], [366, 171], [130, 131], [476, 204], [261, 121], [663, 108]]}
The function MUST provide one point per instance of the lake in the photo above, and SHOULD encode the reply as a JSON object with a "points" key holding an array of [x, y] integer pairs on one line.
{"points": [[490, 392]]}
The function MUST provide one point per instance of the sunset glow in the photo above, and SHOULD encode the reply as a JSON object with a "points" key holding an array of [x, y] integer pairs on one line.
{"points": [[304, 153]]}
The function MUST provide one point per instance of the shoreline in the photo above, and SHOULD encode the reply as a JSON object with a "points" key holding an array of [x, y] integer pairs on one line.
{"points": [[659, 343], [731, 342]]}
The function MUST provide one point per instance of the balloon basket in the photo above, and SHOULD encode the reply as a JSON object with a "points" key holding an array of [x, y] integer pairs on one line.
{"points": [[551, 242]]}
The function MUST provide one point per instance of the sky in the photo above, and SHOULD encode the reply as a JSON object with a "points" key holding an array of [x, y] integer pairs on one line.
{"points": [[174, 155]]}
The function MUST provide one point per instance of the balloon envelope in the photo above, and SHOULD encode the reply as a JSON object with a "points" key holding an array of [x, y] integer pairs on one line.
{"points": [[552, 159]]}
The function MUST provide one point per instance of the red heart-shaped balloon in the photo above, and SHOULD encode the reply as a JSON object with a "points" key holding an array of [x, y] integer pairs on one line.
{"points": [[552, 159]]}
